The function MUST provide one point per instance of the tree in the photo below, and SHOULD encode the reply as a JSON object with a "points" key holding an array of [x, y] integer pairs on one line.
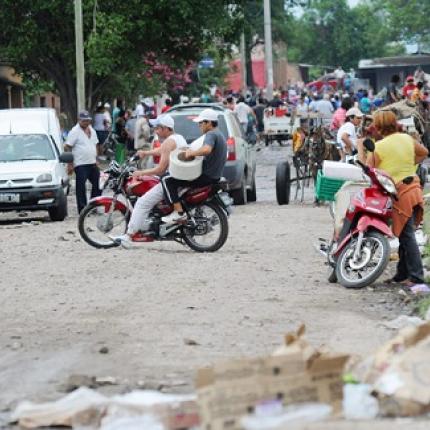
{"points": [[329, 33], [37, 38], [408, 19]]}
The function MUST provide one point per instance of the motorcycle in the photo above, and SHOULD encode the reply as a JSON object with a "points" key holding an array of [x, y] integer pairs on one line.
{"points": [[207, 209], [362, 251]]}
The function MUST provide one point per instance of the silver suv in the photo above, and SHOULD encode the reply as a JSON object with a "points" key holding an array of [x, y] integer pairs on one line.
{"points": [[239, 169]]}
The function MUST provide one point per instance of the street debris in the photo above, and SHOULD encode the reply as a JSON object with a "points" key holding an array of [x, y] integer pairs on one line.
{"points": [[190, 342], [104, 350], [76, 381], [149, 410], [399, 373], [295, 373], [358, 403], [296, 384]]}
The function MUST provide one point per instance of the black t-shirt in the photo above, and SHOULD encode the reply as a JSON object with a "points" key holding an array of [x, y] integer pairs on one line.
{"points": [[259, 113], [213, 163]]}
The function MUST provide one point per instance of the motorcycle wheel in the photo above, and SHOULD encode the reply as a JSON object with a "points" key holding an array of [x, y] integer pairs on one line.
{"points": [[96, 225], [211, 231], [375, 255]]}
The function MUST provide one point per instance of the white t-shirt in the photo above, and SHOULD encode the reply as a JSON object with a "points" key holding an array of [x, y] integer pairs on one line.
{"points": [[139, 110], [242, 110], [339, 73], [349, 129], [179, 140], [83, 147], [99, 121], [302, 109]]}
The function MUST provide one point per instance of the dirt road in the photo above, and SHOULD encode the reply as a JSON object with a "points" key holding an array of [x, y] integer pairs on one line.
{"points": [[63, 301]]}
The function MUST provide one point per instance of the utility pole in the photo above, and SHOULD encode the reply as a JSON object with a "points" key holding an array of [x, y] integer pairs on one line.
{"points": [[80, 66], [243, 62], [268, 49]]}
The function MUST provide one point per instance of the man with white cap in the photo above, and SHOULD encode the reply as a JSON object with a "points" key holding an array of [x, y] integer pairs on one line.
{"points": [[164, 127], [214, 151], [347, 133]]}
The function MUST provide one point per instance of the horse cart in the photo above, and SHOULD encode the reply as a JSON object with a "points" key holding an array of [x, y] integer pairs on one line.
{"points": [[316, 145]]}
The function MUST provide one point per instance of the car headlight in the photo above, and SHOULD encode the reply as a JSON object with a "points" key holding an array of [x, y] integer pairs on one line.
{"points": [[46, 177], [386, 183]]}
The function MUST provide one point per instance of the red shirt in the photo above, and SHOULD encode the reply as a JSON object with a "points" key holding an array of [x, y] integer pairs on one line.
{"points": [[165, 109], [408, 90]]}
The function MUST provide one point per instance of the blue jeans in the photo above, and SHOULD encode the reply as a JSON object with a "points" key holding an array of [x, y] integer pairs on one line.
{"points": [[84, 173]]}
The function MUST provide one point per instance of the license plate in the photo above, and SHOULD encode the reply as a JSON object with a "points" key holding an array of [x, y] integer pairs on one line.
{"points": [[226, 199], [9, 198]]}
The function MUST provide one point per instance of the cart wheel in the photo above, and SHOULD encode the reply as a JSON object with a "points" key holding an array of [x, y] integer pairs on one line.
{"points": [[283, 183]]}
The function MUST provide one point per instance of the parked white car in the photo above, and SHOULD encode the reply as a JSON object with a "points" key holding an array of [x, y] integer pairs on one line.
{"points": [[33, 174]]}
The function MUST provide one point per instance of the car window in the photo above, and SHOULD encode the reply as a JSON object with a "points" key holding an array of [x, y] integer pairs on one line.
{"points": [[25, 147], [185, 125]]}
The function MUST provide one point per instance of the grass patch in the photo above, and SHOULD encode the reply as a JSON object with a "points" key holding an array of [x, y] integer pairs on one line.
{"points": [[423, 306]]}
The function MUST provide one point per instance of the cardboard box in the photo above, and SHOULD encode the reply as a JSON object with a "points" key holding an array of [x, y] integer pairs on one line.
{"points": [[297, 373]]}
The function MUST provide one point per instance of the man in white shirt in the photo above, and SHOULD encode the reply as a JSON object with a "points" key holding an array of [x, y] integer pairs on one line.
{"points": [[339, 74], [347, 134], [164, 127], [242, 111], [82, 141], [325, 109]]}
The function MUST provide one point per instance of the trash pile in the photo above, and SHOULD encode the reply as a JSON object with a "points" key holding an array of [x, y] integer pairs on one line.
{"points": [[296, 384]]}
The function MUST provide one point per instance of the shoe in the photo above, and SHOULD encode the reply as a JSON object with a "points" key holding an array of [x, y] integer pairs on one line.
{"points": [[174, 218], [124, 240]]}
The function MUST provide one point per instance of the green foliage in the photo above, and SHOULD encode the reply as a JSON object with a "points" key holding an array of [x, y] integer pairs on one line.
{"points": [[39, 39], [408, 19]]}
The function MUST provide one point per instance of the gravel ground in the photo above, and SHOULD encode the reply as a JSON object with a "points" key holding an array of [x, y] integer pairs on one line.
{"points": [[65, 303]]}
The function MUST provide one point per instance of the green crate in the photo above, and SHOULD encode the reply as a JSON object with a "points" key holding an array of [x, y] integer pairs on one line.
{"points": [[327, 188]]}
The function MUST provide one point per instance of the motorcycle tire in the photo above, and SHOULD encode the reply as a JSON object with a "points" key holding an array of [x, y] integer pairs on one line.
{"points": [[223, 234], [382, 264], [82, 231]]}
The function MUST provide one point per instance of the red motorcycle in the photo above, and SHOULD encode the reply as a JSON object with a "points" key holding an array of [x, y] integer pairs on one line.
{"points": [[207, 209], [362, 251]]}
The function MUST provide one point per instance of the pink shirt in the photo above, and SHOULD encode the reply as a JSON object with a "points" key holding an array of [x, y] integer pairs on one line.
{"points": [[338, 119]]}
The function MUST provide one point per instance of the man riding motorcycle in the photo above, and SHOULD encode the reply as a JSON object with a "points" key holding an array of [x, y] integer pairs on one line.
{"points": [[164, 127]]}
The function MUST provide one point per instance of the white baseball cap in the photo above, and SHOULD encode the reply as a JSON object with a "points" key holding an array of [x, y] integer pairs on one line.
{"points": [[207, 115], [354, 112], [163, 120]]}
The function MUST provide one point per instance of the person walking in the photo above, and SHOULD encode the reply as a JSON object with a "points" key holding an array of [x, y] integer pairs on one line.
{"points": [[83, 143], [101, 124], [259, 115], [339, 116], [242, 111], [398, 154]]}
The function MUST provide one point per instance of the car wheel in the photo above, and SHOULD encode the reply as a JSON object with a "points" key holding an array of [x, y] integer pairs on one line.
{"points": [[59, 212], [239, 196], [283, 183], [251, 194]]}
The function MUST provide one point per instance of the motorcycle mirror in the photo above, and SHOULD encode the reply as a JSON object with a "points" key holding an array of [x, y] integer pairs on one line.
{"points": [[369, 144]]}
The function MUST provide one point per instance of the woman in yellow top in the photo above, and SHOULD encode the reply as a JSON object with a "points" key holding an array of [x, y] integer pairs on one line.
{"points": [[398, 155]]}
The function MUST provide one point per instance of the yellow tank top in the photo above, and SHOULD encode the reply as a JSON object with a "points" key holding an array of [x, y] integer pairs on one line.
{"points": [[397, 156]]}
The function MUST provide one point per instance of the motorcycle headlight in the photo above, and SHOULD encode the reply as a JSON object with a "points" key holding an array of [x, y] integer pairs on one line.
{"points": [[46, 177], [386, 183]]}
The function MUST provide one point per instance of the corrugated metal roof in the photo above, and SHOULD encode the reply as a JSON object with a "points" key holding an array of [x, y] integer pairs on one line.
{"points": [[403, 60]]}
